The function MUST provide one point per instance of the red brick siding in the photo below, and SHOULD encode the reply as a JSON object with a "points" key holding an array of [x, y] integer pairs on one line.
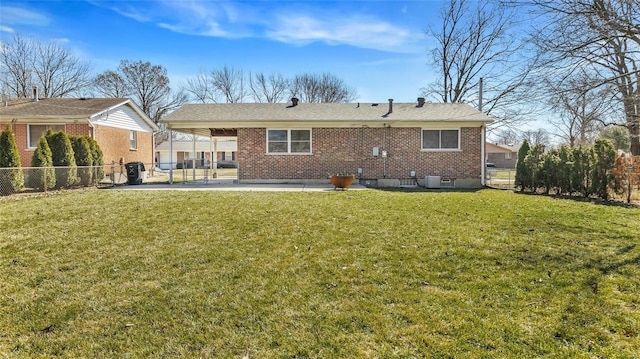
{"points": [[343, 150], [26, 153], [114, 143]]}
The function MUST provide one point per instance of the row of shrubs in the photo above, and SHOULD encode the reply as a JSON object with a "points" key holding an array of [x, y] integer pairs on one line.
{"points": [[77, 154], [599, 170]]}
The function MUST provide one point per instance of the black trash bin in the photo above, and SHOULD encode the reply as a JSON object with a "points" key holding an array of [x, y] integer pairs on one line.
{"points": [[134, 172]]}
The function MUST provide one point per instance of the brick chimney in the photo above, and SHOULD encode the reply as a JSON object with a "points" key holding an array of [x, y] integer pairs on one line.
{"points": [[294, 101], [420, 101]]}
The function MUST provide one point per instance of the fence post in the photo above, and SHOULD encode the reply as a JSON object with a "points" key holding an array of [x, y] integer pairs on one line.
{"points": [[113, 173]]}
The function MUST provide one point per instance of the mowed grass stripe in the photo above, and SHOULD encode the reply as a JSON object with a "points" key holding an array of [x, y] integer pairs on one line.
{"points": [[106, 273]]}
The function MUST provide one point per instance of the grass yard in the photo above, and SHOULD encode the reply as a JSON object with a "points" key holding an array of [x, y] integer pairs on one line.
{"points": [[345, 274]]}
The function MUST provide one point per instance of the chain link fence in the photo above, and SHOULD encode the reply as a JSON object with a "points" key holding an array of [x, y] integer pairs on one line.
{"points": [[43, 179], [501, 178]]}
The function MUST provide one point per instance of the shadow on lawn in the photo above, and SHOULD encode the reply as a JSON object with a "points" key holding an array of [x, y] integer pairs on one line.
{"points": [[422, 189], [614, 203]]}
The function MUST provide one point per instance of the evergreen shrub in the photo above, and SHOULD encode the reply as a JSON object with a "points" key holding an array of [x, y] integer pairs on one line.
{"points": [[43, 175], [11, 177]]}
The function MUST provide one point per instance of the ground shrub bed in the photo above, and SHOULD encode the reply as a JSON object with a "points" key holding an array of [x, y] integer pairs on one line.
{"points": [[109, 273]]}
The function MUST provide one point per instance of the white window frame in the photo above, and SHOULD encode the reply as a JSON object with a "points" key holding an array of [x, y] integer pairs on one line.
{"points": [[440, 149], [41, 124], [289, 141], [507, 155], [133, 141]]}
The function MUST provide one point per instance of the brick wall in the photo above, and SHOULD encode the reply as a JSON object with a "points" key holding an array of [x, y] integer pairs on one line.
{"points": [[114, 143], [20, 131], [343, 150]]}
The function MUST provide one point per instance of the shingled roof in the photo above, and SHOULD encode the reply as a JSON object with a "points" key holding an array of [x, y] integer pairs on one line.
{"points": [[320, 112], [57, 107]]}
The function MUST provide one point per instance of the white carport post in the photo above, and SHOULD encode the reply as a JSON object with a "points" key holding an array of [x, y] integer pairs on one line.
{"points": [[170, 156], [214, 154], [193, 160]]}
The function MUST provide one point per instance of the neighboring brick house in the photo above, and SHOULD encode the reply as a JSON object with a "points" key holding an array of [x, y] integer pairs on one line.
{"points": [[122, 130], [502, 156], [382, 144]]}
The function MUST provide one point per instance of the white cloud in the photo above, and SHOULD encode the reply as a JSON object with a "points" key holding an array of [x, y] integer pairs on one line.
{"points": [[358, 30], [20, 16], [6, 29], [279, 21]]}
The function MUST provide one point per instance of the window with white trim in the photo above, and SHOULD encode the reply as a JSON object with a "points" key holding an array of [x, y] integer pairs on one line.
{"points": [[37, 131], [507, 156], [133, 140], [289, 141], [442, 139]]}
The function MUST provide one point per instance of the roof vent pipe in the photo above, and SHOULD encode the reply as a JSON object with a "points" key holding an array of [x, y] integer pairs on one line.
{"points": [[294, 101], [390, 105], [35, 94], [420, 101]]}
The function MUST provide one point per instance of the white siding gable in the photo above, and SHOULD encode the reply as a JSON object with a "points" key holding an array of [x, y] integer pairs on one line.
{"points": [[122, 117]]}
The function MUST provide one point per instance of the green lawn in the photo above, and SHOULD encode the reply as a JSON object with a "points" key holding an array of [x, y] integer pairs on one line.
{"points": [[345, 274]]}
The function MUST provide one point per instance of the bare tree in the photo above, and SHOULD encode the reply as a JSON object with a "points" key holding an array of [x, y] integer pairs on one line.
{"points": [[111, 84], [229, 83], [506, 136], [16, 69], [582, 108], [323, 87], [147, 85], [200, 88], [268, 88], [602, 36], [47, 65], [476, 39], [536, 137]]}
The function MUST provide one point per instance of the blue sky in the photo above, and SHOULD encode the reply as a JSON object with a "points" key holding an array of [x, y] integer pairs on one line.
{"points": [[378, 47]]}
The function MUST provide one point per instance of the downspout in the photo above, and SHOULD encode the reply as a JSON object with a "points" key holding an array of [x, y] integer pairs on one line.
{"points": [[483, 145]]}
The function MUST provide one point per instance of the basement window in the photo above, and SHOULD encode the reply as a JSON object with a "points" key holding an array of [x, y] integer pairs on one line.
{"points": [[442, 139], [292, 141], [37, 131]]}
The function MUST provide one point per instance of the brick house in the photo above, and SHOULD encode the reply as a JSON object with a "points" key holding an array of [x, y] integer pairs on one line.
{"points": [[502, 156], [381, 144], [122, 130]]}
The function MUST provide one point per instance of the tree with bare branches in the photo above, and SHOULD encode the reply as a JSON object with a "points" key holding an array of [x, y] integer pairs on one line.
{"points": [[599, 35], [200, 89], [147, 85], [325, 87], [271, 88], [583, 109], [26, 63], [230, 85], [474, 41]]}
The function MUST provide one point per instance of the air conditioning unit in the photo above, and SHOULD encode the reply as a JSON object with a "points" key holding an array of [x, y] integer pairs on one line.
{"points": [[432, 181]]}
